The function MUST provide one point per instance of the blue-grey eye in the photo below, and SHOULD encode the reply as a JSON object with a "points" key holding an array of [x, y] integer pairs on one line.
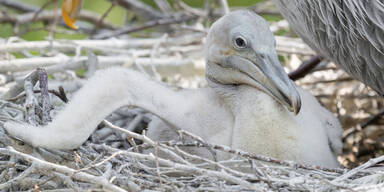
{"points": [[240, 42]]}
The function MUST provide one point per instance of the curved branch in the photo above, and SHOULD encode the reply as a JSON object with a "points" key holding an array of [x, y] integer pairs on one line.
{"points": [[305, 68]]}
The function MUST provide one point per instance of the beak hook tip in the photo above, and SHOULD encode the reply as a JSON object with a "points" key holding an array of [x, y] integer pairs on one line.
{"points": [[297, 105]]}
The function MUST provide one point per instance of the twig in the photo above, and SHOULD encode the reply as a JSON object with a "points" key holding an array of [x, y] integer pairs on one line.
{"points": [[31, 103], [71, 45], [60, 94], [189, 168], [289, 45], [42, 8], [164, 6], [50, 15], [305, 68], [92, 64], [149, 24], [45, 99], [265, 8], [14, 4], [80, 62], [258, 157], [146, 140], [192, 10], [140, 8], [341, 79], [131, 127], [44, 165], [224, 5], [113, 4], [54, 23], [356, 170], [17, 179], [373, 118]]}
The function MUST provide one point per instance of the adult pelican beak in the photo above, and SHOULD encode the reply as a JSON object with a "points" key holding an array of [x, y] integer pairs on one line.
{"points": [[266, 73]]}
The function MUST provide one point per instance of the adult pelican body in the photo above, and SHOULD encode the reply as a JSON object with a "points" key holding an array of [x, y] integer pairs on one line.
{"points": [[250, 103], [348, 32]]}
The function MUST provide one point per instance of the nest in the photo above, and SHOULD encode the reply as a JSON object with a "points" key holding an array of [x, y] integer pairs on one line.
{"points": [[107, 163]]}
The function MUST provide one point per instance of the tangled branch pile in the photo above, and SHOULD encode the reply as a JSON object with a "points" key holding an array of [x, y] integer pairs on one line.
{"points": [[118, 156], [101, 165]]}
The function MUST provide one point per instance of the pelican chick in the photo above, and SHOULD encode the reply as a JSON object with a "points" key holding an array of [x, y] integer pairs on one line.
{"points": [[249, 104]]}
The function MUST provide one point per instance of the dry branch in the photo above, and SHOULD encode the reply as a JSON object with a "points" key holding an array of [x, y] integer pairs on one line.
{"points": [[145, 11], [18, 65], [149, 24], [291, 45], [71, 45], [305, 68], [50, 15], [42, 165], [15, 4]]}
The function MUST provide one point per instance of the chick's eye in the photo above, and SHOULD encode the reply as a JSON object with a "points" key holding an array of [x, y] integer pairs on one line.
{"points": [[240, 42]]}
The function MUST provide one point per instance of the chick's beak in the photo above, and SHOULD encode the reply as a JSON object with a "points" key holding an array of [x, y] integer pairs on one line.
{"points": [[278, 83], [267, 74]]}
